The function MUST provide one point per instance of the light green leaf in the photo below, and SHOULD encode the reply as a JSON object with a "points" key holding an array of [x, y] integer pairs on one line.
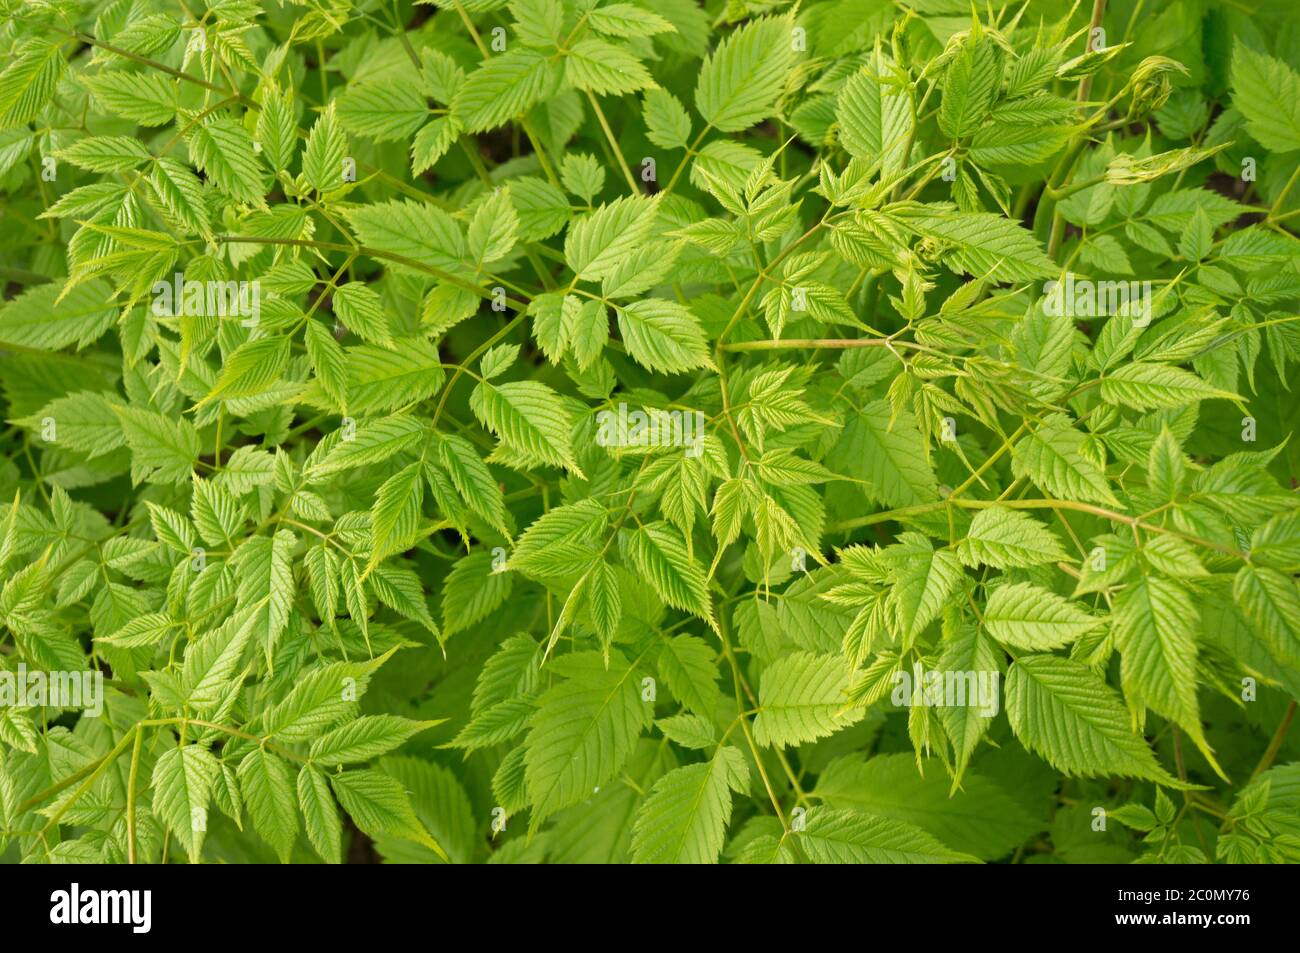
{"points": [[1053, 457], [1154, 624], [740, 81], [598, 243], [268, 791], [605, 68], [1063, 711], [223, 150], [501, 89], [1267, 91], [382, 111], [663, 335], [529, 418], [667, 123], [368, 737], [182, 787], [659, 553], [1027, 617], [801, 697], [846, 837], [1151, 386], [684, 818], [875, 119], [583, 731], [378, 805], [1008, 539], [319, 814]]}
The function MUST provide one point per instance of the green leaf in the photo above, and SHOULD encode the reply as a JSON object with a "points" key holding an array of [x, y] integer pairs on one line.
{"points": [[181, 194], [382, 378], [251, 368], [571, 527], [432, 142], [395, 516], [582, 175], [223, 151], [162, 449], [268, 791], [598, 243], [924, 581], [382, 111], [846, 837], [328, 361], [542, 208], [277, 131], [667, 123], [378, 805], [1267, 92], [605, 68], [265, 569], [33, 320], [368, 737], [28, 82], [1053, 457], [1271, 601], [106, 153], [322, 160], [182, 787], [319, 814], [1153, 386], [875, 119], [626, 19], [970, 84], [473, 590], [1154, 626], [659, 553], [801, 697], [1027, 617], [86, 422], [473, 480], [981, 819], [320, 699], [145, 98], [494, 229], [372, 443], [689, 669], [684, 818], [663, 335], [360, 308], [1008, 539], [885, 451], [689, 731], [741, 79], [419, 234], [604, 601], [211, 662], [1007, 145], [582, 732], [984, 244], [530, 419], [501, 89], [1062, 710]]}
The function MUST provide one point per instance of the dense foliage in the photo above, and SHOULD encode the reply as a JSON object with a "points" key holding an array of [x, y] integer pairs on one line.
{"points": [[570, 430]]}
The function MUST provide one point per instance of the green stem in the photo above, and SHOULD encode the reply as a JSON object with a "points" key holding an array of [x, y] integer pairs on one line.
{"points": [[613, 143], [1275, 745]]}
